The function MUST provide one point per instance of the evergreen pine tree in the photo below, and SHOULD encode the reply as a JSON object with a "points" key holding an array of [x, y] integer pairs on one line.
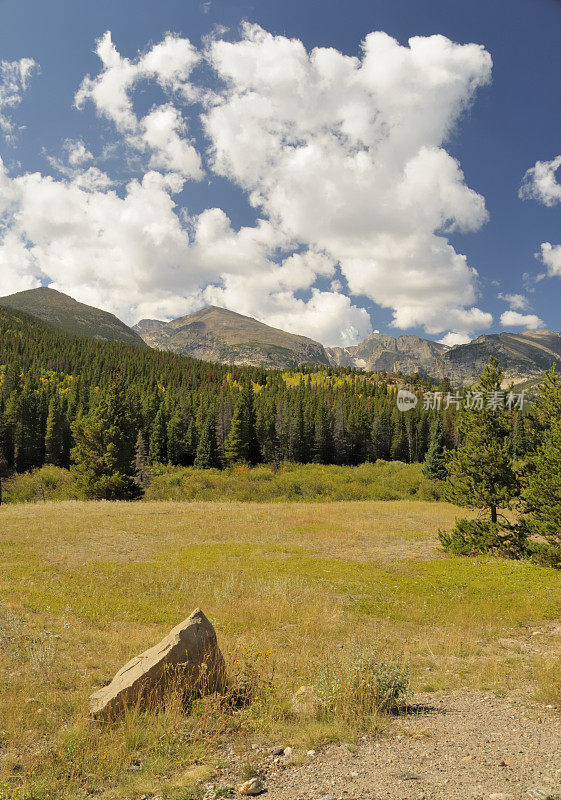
{"points": [[449, 429], [340, 440], [519, 444], [323, 438], [56, 438], [358, 434], [252, 451], [545, 408], [434, 465], [141, 473], [381, 437], [235, 449], [177, 443], [158, 444], [104, 450], [480, 470], [268, 435], [152, 404], [424, 435], [67, 442], [191, 442], [23, 413], [541, 492], [540, 474], [223, 420], [4, 466], [12, 378], [207, 449], [400, 444], [6, 443], [298, 449]]}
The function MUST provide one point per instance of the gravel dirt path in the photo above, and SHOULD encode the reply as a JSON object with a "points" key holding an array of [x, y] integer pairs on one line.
{"points": [[463, 746]]}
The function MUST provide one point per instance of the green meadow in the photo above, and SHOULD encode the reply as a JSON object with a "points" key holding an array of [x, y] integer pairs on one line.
{"points": [[293, 589]]}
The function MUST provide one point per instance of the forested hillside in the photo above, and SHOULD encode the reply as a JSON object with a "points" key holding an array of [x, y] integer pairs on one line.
{"points": [[70, 316], [188, 411]]}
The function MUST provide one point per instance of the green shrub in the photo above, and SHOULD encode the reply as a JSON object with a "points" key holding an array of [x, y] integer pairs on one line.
{"points": [[471, 537], [362, 684], [544, 554], [381, 480], [40, 485]]}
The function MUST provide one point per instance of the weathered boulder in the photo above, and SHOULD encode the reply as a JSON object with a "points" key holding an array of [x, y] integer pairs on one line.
{"points": [[306, 702], [188, 656]]}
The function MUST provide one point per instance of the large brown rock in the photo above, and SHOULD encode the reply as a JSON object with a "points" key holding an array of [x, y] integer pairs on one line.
{"points": [[188, 657]]}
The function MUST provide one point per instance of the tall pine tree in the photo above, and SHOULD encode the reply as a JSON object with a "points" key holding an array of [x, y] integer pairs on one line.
{"points": [[57, 435], [323, 436], [248, 421], [540, 474], [541, 492], [104, 452], [4, 465], [434, 465], [235, 449], [519, 444], [141, 472], [207, 450], [158, 444], [480, 470], [178, 444]]}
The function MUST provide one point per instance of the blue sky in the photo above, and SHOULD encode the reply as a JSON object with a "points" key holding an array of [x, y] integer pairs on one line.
{"points": [[509, 124]]}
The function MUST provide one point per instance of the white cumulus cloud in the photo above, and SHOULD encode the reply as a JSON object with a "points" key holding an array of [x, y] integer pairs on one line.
{"points": [[14, 78], [454, 338], [515, 319], [517, 302], [540, 183], [346, 155], [162, 132], [550, 255], [343, 159]]}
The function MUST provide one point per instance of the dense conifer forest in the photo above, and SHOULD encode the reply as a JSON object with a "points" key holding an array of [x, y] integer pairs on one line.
{"points": [[61, 393]]}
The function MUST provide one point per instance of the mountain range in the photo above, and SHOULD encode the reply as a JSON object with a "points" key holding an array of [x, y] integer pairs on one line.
{"points": [[217, 334], [407, 354]]}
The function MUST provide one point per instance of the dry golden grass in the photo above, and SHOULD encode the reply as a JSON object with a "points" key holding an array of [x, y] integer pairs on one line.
{"points": [[289, 587]]}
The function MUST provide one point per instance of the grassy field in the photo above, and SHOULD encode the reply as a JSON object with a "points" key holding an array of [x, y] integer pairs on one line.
{"points": [[292, 589]]}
